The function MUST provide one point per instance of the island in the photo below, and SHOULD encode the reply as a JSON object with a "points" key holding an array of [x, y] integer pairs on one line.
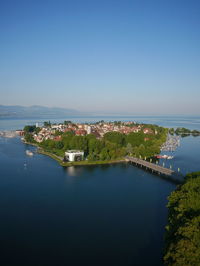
{"points": [[96, 143]]}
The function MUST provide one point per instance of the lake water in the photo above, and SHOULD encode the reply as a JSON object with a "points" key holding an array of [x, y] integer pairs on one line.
{"points": [[191, 122], [97, 215]]}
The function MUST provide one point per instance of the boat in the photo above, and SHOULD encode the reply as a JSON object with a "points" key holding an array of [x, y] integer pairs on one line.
{"points": [[164, 157], [29, 153], [170, 157], [161, 156]]}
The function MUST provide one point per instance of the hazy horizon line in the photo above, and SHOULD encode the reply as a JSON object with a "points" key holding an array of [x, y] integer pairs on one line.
{"points": [[103, 113]]}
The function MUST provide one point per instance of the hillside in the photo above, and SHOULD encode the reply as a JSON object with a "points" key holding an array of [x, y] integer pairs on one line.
{"points": [[17, 111]]}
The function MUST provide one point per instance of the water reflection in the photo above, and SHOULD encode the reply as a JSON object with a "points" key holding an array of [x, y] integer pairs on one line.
{"points": [[98, 210], [72, 171]]}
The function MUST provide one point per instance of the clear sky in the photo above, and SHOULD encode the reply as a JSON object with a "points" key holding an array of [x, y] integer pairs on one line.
{"points": [[135, 57]]}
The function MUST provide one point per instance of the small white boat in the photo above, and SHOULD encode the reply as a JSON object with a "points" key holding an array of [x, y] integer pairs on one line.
{"points": [[29, 153], [170, 157]]}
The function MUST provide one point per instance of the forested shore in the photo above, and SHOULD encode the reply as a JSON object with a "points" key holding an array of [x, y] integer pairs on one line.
{"points": [[183, 132], [182, 239], [111, 147]]}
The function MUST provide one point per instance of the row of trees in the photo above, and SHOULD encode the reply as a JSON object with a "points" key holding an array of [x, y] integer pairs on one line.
{"points": [[181, 131], [29, 130], [113, 145], [183, 229]]}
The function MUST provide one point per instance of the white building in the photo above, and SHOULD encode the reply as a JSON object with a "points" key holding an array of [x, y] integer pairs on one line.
{"points": [[89, 130], [74, 155]]}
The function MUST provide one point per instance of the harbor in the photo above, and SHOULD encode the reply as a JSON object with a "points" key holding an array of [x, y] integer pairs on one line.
{"points": [[11, 133], [8, 134], [171, 143]]}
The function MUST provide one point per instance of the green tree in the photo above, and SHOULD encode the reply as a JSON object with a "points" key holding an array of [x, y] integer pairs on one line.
{"points": [[67, 122], [79, 143], [129, 149], [59, 145], [29, 138], [37, 130], [114, 137], [47, 123], [104, 155], [58, 133], [182, 239], [29, 128]]}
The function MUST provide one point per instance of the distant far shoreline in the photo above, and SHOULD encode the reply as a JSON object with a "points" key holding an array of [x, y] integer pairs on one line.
{"points": [[190, 122]]}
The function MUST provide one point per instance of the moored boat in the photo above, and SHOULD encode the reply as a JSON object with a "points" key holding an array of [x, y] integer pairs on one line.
{"points": [[29, 153], [164, 156]]}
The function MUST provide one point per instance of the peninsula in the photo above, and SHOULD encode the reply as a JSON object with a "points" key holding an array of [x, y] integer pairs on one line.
{"points": [[97, 143]]}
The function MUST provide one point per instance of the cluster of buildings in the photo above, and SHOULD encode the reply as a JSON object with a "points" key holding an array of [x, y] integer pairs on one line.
{"points": [[97, 129], [79, 129]]}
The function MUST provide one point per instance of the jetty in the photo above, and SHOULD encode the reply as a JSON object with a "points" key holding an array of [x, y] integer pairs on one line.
{"points": [[156, 169], [11, 133]]}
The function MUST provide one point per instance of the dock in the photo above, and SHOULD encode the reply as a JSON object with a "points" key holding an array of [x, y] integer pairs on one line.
{"points": [[156, 169], [9, 134]]}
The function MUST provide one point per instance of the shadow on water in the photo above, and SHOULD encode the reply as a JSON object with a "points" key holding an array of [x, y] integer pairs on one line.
{"points": [[174, 179], [77, 170]]}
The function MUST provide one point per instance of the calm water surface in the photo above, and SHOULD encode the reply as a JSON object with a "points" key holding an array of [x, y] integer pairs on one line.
{"points": [[191, 122], [104, 215], [101, 215]]}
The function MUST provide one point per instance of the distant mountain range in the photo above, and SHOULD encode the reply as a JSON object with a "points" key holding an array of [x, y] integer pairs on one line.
{"points": [[36, 111]]}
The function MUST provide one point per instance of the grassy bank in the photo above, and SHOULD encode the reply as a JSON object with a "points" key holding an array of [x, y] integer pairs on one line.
{"points": [[29, 143], [81, 163]]}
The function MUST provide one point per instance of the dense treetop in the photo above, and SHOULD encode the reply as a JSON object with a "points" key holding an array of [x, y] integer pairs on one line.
{"points": [[113, 145], [183, 229]]}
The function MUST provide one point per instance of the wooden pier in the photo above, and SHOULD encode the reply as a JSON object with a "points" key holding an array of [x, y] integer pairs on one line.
{"points": [[157, 169]]}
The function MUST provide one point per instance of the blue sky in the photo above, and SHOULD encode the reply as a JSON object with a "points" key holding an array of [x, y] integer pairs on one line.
{"points": [[134, 57]]}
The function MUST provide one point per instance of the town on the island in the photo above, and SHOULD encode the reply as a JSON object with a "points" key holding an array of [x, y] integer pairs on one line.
{"points": [[55, 132], [100, 141], [98, 129]]}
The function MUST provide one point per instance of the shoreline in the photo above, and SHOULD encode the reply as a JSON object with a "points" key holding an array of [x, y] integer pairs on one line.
{"points": [[60, 161], [77, 163], [94, 163]]}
